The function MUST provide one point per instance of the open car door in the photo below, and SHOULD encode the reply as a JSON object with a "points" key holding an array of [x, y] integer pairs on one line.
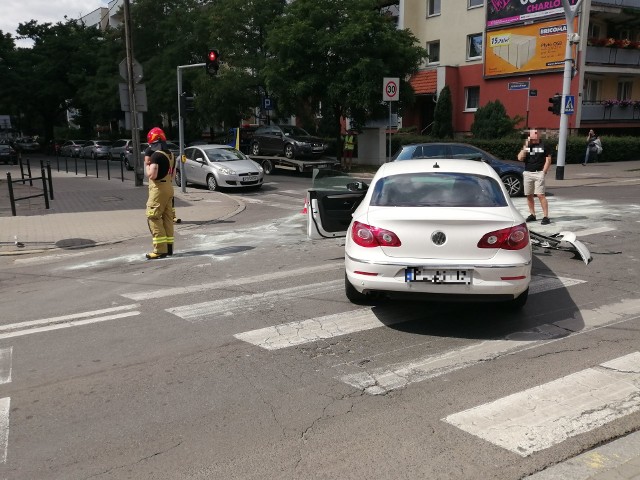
{"points": [[331, 201]]}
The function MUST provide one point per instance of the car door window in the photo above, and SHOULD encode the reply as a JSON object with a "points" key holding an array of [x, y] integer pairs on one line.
{"points": [[432, 151], [463, 151]]}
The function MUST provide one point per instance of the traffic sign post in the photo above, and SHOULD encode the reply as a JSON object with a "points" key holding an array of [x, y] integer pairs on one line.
{"points": [[390, 93]]}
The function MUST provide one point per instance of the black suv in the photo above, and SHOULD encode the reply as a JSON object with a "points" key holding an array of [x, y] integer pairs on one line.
{"points": [[287, 140]]}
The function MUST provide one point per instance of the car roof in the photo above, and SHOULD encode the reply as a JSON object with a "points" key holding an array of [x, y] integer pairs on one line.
{"points": [[450, 165], [211, 145]]}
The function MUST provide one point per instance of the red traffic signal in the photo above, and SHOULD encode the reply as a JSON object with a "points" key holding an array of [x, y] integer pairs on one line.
{"points": [[212, 63]]}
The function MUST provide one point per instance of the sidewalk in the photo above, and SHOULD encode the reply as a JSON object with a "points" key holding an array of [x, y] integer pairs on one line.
{"points": [[88, 211]]}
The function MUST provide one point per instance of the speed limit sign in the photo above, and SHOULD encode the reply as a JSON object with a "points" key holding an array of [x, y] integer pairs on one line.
{"points": [[390, 89]]}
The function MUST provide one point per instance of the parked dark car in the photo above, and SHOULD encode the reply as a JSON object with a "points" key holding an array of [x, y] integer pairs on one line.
{"points": [[53, 147], [246, 137], [8, 154], [510, 171], [27, 144], [287, 140]]}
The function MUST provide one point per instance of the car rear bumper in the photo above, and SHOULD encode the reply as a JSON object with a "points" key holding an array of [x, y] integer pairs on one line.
{"points": [[487, 282]]}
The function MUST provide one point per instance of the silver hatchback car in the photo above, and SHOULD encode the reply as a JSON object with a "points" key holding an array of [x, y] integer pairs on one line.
{"points": [[219, 166]]}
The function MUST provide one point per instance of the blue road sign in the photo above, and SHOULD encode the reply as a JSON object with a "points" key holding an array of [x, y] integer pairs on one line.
{"points": [[268, 104], [569, 104], [518, 85]]}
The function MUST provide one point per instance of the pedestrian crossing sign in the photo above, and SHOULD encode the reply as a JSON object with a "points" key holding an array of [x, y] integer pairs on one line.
{"points": [[569, 104]]}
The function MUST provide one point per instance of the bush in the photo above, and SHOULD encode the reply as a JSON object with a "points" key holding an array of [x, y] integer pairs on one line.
{"points": [[492, 121]]}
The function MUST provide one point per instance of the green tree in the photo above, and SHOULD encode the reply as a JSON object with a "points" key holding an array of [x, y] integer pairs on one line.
{"points": [[334, 54], [52, 70], [492, 121], [443, 115]]}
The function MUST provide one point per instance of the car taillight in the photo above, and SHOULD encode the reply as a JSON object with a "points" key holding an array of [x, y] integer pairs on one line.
{"points": [[513, 238], [368, 236]]}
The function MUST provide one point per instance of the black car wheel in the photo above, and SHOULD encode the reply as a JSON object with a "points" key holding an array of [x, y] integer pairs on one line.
{"points": [[513, 183], [178, 179], [127, 165], [288, 151], [267, 166], [255, 149]]}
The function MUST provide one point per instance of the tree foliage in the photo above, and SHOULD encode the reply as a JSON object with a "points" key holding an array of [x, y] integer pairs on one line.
{"points": [[492, 121], [443, 115], [334, 54], [316, 58]]}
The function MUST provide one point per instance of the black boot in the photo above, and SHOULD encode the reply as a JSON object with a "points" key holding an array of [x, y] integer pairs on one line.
{"points": [[169, 248]]}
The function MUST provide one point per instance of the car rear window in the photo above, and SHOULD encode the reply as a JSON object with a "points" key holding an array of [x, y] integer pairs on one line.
{"points": [[438, 190]]}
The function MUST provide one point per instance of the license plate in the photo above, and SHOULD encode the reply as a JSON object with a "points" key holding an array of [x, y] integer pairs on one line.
{"points": [[249, 179], [437, 276]]}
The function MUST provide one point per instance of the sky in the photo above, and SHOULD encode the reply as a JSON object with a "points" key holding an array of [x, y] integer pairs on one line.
{"points": [[44, 11]]}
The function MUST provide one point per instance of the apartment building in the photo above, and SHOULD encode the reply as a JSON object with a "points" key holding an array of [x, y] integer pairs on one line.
{"points": [[514, 51]]}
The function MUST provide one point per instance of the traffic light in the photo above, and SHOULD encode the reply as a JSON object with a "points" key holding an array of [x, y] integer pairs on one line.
{"points": [[555, 102], [213, 62], [186, 103]]}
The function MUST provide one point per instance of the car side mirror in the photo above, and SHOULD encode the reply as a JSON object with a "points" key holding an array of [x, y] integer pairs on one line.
{"points": [[357, 186]]}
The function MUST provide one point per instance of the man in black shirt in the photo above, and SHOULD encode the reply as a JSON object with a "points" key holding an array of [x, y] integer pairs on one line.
{"points": [[537, 162]]}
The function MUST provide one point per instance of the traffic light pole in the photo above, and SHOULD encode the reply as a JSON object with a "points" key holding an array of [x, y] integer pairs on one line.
{"points": [[570, 14], [133, 111], [183, 174]]}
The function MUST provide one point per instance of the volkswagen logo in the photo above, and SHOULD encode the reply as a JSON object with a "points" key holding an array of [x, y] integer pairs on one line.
{"points": [[438, 238]]}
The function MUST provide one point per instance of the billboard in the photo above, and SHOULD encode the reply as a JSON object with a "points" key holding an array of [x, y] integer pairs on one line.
{"points": [[505, 12], [538, 47]]}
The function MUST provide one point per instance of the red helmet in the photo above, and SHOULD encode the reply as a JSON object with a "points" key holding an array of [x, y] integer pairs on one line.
{"points": [[156, 134]]}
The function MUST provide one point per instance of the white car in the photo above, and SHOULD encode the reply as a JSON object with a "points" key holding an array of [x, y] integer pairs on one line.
{"points": [[443, 229], [219, 166]]}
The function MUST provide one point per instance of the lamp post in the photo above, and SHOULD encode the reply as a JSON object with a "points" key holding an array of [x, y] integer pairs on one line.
{"points": [[570, 14]]}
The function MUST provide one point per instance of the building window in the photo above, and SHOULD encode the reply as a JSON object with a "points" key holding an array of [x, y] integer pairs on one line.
{"points": [[591, 90], [476, 3], [433, 51], [594, 30], [624, 90], [472, 98], [433, 7], [474, 46]]}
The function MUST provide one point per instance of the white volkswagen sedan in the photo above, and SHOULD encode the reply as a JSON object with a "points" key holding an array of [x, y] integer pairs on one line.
{"points": [[219, 166], [444, 229]]}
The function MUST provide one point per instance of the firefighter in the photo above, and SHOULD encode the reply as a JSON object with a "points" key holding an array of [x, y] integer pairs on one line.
{"points": [[160, 169]]}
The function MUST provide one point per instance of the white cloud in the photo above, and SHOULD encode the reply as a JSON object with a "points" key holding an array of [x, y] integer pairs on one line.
{"points": [[15, 12]]}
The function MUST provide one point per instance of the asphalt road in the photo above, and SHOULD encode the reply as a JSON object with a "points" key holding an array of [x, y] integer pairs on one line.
{"points": [[240, 357]]}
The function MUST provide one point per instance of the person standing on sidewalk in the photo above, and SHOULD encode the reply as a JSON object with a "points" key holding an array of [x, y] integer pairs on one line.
{"points": [[349, 145], [537, 162], [160, 168], [594, 148]]}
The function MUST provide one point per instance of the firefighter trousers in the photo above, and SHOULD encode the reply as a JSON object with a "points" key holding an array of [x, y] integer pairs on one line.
{"points": [[160, 214]]}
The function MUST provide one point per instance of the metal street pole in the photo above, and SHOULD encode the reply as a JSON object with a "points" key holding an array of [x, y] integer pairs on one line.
{"points": [[133, 112], [183, 174], [570, 14]]}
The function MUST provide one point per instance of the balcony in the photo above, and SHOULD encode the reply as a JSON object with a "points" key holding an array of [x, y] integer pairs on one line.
{"points": [[622, 57], [598, 112]]}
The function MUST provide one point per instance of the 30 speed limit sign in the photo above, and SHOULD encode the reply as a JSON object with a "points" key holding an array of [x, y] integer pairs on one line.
{"points": [[390, 89]]}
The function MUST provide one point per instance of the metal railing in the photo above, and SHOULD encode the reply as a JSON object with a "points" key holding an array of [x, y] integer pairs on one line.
{"points": [[47, 184]]}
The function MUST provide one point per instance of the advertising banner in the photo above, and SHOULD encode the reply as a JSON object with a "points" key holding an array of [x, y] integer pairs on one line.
{"points": [[505, 12], [539, 47]]}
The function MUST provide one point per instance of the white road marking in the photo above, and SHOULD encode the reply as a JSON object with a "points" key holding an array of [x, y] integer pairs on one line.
{"points": [[541, 283], [268, 277], [545, 415], [225, 306], [381, 380], [57, 257], [66, 321], [306, 331], [5, 404], [6, 355]]}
